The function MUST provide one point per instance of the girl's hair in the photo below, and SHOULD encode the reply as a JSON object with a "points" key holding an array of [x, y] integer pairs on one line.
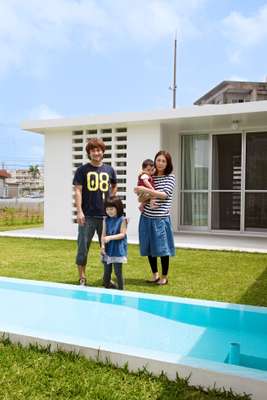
{"points": [[147, 163], [115, 201], [169, 166], [95, 143]]}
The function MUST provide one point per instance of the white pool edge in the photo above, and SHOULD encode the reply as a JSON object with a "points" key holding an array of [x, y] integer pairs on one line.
{"points": [[146, 295], [238, 379], [197, 376]]}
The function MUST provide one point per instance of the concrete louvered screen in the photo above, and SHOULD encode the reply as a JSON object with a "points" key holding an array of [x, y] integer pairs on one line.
{"points": [[115, 155]]}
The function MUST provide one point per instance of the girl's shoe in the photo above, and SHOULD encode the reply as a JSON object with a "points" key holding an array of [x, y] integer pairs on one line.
{"points": [[112, 285]]}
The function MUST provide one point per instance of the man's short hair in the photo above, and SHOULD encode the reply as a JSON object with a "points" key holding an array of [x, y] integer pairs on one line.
{"points": [[95, 143]]}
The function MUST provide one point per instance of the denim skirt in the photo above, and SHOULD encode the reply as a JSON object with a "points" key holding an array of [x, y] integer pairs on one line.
{"points": [[156, 237]]}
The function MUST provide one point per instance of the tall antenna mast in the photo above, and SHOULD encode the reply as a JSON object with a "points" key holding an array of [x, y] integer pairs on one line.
{"points": [[174, 72], [174, 87]]}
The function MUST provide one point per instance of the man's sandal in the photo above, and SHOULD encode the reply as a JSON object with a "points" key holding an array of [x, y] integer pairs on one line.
{"points": [[82, 281]]}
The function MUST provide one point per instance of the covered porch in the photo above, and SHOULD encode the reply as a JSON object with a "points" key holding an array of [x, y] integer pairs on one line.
{"points": [[220, 162]]}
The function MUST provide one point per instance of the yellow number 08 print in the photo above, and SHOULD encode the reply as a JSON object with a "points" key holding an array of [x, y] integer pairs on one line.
{"points": [[97, 181]]}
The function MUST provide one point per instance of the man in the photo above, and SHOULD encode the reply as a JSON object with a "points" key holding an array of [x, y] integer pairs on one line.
{"points": [[94, 182]]}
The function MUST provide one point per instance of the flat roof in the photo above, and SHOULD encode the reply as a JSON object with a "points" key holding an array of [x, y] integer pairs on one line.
{"points": [[207, 111]]}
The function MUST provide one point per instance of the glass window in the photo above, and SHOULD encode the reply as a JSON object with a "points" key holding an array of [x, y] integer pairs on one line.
{"points": [[195, 159], [256, 211], [256, 161], [195, 209], [226, 162], [226, 210]]}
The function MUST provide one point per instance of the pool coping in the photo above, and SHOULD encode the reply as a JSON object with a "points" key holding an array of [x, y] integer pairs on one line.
{"points": [[196, 376], [229, 377]]}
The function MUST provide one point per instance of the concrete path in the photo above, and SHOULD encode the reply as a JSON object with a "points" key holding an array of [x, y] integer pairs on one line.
{"points": [[207, 241]]}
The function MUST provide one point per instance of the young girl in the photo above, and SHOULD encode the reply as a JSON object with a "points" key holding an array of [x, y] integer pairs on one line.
{"points": [[114, 242]]}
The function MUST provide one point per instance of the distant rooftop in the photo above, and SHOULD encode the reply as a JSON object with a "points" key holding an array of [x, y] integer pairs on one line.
{"points": [[4, 173], [233, 87]]}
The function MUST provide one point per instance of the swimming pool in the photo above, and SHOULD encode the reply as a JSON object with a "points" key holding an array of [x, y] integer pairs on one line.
{"points": [[213, 342]]}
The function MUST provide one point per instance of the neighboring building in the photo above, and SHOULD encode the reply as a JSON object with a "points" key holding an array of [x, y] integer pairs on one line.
{"points": [[13, 190], [24, 178], [234, 92], [3, 186], [219, 154]]}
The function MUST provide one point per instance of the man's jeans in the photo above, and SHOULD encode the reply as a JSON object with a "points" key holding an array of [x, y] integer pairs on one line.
{"points": [[85, 236]]}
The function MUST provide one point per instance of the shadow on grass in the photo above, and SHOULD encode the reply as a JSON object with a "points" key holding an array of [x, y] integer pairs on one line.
{"points": [[256, 294], [128, 282], [137, 282]]}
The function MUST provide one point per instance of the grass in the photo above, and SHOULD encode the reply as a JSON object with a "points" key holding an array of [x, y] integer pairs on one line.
{"points": [[13, 227], [215, 275], [36, 373], [16, 218]]}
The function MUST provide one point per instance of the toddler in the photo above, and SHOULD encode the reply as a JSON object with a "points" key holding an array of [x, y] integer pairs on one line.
{"points": [[145, 179]]}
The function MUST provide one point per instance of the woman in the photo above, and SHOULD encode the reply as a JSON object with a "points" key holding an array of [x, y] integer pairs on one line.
{"points": [[155, 231]]}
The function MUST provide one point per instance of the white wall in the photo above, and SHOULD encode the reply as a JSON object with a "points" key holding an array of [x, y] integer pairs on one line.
{"points": [[170, 142], [144, 141], [2, 191], [58, 184]]}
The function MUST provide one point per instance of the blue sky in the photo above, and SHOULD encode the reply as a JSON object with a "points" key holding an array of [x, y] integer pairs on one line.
{"points": [[62, 58]]}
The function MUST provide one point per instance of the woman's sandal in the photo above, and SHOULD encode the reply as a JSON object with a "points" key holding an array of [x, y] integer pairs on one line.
{"points": [[153, 280], [162, 282]]}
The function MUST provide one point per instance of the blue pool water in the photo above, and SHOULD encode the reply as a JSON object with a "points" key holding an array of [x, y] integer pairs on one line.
{"points": [[168, 328]]}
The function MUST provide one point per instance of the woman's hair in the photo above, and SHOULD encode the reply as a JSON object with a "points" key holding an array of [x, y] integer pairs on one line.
{"points": [[147, 163], [169, 166], [115, 201], [95, 143]]}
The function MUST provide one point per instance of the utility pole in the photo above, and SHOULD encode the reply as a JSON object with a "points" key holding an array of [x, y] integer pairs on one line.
{"points": [[174, 86]]}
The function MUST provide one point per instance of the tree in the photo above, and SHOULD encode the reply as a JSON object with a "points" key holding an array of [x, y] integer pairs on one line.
{"points": [[34, 171]]}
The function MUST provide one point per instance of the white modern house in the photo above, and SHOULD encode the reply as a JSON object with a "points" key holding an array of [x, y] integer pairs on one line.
{"points": [[219, 154]]}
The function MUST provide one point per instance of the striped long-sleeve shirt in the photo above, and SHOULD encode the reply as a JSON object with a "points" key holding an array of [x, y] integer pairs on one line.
{"points": [[164, 184]]}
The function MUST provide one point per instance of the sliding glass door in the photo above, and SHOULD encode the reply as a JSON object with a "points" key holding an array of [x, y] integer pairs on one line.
{"points": [[194, 182], [256, 182], [224, 182]]}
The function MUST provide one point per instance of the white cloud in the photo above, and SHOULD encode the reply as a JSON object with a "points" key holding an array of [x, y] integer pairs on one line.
{"points": [[237, 78], [43, 112], [31, 31], [244, 32]]}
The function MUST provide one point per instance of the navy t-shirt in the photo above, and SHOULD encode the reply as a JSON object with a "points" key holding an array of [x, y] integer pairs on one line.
{"points": [[95, 182]]}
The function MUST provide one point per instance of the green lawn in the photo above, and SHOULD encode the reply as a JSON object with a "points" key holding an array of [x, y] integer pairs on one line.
{"points": [[19, 226], [13, 217], [37, 374], [224, 276]]}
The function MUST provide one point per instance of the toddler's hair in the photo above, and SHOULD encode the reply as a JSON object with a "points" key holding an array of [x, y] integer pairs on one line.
{"points": [[147, 162], [115, 201]]}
